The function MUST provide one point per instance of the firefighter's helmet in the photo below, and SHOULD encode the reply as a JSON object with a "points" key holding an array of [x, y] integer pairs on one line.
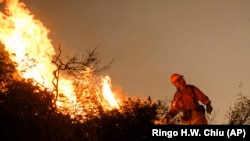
{"points": [[175, 77]]}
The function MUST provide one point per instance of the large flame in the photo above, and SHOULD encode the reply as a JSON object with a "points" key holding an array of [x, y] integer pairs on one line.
{"points": [[26, 39]]}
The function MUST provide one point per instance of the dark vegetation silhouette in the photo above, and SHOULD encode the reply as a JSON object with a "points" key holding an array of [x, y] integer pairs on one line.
{"points": [[239, 113], [28, 111]]}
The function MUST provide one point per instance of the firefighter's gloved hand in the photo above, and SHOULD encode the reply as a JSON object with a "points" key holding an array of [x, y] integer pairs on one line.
{"points": [[209, 108]]}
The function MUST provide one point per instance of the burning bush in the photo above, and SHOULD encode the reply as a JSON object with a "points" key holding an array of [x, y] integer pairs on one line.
{"points": [[44, 98], [28, 112]]}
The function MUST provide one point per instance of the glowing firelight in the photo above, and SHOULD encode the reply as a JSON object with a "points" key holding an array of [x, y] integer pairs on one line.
{"points": [[107, 92], [26, 39]]}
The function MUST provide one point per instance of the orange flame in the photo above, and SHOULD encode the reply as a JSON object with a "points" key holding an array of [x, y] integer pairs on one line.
{"points": [[26, 39], [107, 92]]}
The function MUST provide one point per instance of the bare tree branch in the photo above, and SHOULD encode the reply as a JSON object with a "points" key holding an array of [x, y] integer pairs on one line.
{"points": [[76, 68]]}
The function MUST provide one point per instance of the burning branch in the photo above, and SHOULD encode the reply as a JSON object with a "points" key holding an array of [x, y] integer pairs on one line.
{"points": [[70, 81], [80, 71]]}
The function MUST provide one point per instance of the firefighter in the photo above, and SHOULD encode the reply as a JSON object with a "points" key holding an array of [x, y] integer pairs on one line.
{"points": [[187, 100]]}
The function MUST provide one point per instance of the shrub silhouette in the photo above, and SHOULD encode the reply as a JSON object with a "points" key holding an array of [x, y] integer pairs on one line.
{"points": [[131, 123], [239, 113], [27, 112]]}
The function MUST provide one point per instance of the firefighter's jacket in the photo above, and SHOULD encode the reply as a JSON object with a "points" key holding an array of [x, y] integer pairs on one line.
{"points": [[187, 101]]}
